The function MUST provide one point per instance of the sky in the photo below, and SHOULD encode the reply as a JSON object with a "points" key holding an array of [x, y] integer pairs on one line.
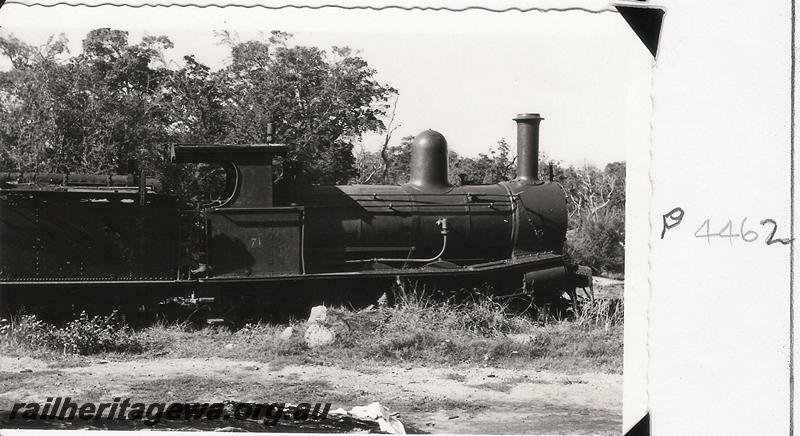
{"points": [[465, 75]]}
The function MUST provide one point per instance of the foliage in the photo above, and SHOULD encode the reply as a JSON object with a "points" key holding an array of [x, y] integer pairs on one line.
{"points": [[319, 102], [492, 167], [590, 189], [26, 331], [596, 236], [599, 242], [97, 334], [83, 335], [117, 101], [88, 113]]}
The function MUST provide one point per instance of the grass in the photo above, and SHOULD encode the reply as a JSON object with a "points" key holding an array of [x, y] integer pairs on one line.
{"points": [[417, 330]]}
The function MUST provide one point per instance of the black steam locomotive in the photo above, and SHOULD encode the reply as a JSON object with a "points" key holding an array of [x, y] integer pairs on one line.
{"points": [[71, 240]]}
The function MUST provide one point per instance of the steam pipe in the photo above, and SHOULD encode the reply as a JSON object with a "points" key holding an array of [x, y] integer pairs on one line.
{"points": [[407, 260], [442, 223], [528, 147]]}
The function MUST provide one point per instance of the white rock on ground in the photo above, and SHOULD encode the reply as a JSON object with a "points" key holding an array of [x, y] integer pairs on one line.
{"points": [[318, 314], [318, 335], [287, 333]]}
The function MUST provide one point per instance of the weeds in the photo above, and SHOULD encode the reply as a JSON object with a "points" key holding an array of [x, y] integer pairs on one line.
{"points": [[416, 328], [483, 330], [600, 312], [481, 314], [82, 336]]}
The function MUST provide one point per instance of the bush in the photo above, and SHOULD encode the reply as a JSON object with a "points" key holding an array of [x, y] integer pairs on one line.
{"points": [[83, 335], [599, 242], [98, 334], [26, 332]]}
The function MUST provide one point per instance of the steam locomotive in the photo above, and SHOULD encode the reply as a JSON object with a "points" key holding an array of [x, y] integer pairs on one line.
{"points": [[69, 241]]}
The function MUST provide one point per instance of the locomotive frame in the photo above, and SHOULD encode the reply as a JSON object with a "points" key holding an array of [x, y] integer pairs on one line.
{"points": [[70, 241]]}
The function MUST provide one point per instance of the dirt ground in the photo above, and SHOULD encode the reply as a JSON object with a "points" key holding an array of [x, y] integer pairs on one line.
{"points": [[441, 400]]}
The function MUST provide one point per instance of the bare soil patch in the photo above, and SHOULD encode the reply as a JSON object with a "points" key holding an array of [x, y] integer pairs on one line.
{"points": [[487, 400]]}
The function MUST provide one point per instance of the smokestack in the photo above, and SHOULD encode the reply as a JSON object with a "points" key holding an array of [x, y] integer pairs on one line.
{"points": [[528, 147]]}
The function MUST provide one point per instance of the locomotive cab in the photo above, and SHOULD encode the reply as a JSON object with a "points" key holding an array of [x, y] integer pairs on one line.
{"points": [[247, 235]]}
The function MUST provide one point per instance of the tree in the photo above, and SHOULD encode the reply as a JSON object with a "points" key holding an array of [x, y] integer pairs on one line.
{"points": [[393, 161], [91, 113], [590, 189], [320, 103], [116, 101], [399, 170], [492, 167], [384, 153], [370, 167], [28, 134], [597, 216]]}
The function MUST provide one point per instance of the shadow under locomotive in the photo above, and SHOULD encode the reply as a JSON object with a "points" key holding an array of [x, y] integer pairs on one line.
{"points": [[72, 242]]}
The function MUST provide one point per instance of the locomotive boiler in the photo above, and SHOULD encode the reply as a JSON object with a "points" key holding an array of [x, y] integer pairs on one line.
{"points": [[70, 240]]}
